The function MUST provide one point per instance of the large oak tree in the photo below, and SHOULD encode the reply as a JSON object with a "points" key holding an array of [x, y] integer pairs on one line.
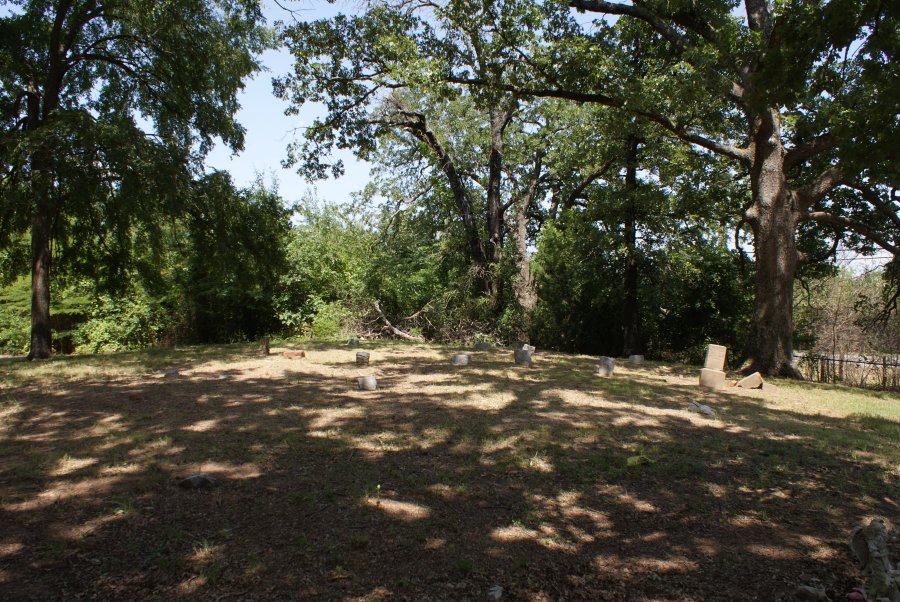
{"points": [[106, 110]]}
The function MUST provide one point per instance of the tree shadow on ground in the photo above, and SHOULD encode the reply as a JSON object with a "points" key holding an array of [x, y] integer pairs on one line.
{"points": [[548, 482]]}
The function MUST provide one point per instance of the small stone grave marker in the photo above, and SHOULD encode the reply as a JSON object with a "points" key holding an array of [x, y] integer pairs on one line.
{"points": [[367, 383], [635, 360], [460, 359], [352, 342], [607, 366], [482, 346], [523, 357], [362, 358], [197, 481]]}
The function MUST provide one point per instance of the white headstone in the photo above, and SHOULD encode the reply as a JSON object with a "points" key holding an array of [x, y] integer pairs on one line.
{"points": [[715, 357], [523, 356], [636, 360], [460, 359]]}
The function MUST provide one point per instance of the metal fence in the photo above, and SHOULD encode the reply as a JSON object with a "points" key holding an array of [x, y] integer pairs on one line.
{"points": [[881, 372]]}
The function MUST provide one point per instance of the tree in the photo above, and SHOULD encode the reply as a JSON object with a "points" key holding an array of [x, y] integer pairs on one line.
{"points": [[801, 95], [105, 108]]}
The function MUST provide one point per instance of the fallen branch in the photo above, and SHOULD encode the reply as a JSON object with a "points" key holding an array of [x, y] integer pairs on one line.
{"points": [[393, 329]]}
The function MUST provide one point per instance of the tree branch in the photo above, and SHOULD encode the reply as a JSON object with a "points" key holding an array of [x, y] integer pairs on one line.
{"points": [[812, 193], [823, 217], [807, 150]]}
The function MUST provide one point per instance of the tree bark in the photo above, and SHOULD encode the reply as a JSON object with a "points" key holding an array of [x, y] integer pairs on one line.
{"points": [[631, 319], [40, 283], [773, 216]]}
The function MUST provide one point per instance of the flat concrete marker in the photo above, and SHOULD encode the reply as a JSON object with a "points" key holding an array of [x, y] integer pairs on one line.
{"points": [[715, 357]]}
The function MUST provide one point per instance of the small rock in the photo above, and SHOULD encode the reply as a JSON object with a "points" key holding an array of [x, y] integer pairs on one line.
{"points": [[197, 481], [702, 409], [814, 594], [172, 372], [352, 342], [291, 355]]}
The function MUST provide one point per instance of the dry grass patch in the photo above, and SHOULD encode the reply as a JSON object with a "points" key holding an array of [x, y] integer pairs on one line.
{"points": [[550, 482]]}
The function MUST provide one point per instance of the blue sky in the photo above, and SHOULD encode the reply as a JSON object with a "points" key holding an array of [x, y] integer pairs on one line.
{"points": [[269, 131]]}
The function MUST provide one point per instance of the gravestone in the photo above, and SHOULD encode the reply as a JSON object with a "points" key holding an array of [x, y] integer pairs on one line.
{"points": [[712, 379], [715, 357], [754, 381], [607, 365], [362, 358], [523, 357], [482, 346], [460, 359], [635, 360], [367, 383], [352, 342]]}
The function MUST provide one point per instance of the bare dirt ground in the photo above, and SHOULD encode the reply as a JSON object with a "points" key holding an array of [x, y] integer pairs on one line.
{"points": [[447, 483]]}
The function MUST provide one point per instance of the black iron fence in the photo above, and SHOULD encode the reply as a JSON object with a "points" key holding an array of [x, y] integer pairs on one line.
{"points": [[875, 372]]}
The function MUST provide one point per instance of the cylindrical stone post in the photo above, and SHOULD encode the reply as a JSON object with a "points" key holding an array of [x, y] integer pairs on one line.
{"points": [[523, 357], [460, 359], [367, 383], [607, 366], [362, 358]]}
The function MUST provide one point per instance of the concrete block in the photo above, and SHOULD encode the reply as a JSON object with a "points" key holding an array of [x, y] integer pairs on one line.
{"points": [[362, 358], [712, 379], [754, 381], [607, 366], [715, 357]]}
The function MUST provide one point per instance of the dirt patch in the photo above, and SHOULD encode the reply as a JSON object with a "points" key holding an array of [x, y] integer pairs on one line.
{"points": [[446, 483]]}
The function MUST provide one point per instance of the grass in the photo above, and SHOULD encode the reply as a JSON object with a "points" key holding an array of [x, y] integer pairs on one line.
{"points": [[550, 482]]}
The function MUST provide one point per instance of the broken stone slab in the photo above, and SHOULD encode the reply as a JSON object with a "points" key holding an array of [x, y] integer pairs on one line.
{"points": [[712, 379], [197, 481], [367, 383], [715, 357], [754, 381], [523, 357], [294, 355], [362, 358], [702, 409], [635, 360], [482, 346], [607, 366], [460, 359]]}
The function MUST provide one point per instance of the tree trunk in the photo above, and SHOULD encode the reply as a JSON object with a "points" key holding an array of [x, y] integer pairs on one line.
{"points": [[773, 217], [40, 283], [526, 294], [631, 319], [495, 226]]}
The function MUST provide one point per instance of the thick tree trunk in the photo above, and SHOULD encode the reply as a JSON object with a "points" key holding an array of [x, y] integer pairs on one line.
{"points": [[526, 294], [40, 284], [631, 319], [495, 210], [773, 216]]}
